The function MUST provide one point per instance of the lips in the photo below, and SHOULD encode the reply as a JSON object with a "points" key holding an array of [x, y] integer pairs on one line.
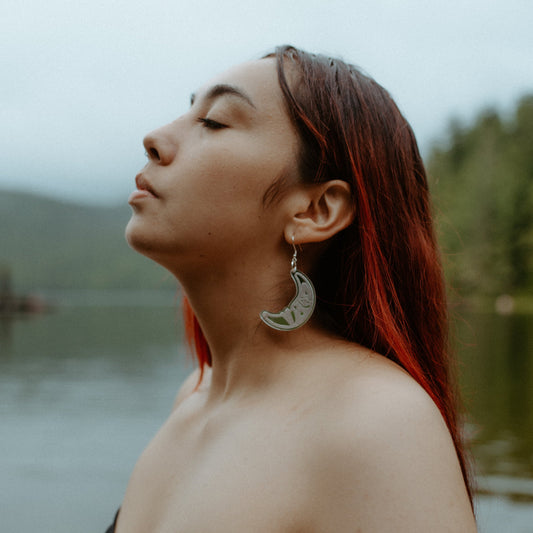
{"points": [[143, 192], [144, 185]]}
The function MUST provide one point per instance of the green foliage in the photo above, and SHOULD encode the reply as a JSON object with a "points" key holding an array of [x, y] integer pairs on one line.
{"points": [[48, 244], [482, 183]]}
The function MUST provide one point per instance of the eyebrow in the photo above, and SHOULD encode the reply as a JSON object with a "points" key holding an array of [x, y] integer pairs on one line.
{"points": [[223, 89]]}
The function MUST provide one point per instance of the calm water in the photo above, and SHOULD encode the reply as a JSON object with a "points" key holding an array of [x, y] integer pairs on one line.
{"points": [[83, 389]]}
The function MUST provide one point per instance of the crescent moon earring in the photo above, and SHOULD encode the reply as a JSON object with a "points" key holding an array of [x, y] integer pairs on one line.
{"points": [[301, 307]]}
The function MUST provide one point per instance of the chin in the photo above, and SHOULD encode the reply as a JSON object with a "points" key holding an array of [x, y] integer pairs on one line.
{"points": [[142, 240], [138, 238]]}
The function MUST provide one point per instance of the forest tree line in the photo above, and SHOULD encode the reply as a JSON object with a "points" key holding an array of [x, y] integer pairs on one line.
{"points": [[481, 177]]}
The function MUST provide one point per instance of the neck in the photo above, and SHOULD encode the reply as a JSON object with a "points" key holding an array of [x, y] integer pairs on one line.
{"points": [[247, 355]]}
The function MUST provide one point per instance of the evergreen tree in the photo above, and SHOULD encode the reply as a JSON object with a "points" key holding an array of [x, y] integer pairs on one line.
{"points": [[482, 181]]}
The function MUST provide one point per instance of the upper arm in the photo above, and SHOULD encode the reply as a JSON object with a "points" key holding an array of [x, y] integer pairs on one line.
{"points": [[395, 468]]}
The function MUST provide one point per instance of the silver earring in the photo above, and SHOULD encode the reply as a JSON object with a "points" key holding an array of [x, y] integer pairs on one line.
{"points": [[301, 307]]}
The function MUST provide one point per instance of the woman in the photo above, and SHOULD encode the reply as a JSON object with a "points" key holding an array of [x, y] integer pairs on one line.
{"points": [[341, 419]]}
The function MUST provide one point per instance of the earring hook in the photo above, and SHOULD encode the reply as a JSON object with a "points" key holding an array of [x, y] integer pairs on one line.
{"points": [[294, 259]]}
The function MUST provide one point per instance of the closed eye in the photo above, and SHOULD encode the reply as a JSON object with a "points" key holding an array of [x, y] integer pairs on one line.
{"points": [[211, 124]]}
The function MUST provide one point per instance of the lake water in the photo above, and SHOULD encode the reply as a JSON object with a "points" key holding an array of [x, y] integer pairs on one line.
{"points": [[84, 388]]}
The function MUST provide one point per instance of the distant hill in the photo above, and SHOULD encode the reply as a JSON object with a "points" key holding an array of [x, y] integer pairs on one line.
{"points": [[52, 244]]}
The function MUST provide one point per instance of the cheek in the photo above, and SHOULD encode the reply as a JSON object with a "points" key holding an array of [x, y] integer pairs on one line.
{"points": [[212, 208], [229, 179]]}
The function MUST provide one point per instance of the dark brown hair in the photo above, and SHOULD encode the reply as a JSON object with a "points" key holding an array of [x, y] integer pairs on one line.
{"points": [[380, 282]]}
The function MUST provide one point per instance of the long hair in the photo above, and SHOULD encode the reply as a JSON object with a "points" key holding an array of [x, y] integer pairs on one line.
{"points": [[380, 282]]}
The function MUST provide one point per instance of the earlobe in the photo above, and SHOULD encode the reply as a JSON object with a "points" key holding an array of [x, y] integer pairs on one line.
{"points": [[328, 210]]}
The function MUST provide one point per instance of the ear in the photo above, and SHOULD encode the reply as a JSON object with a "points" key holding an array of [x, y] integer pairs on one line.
{"points": [[319, 212]]}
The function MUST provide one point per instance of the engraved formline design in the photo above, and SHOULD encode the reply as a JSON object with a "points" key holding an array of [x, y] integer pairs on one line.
{"points": [[301, 307]]}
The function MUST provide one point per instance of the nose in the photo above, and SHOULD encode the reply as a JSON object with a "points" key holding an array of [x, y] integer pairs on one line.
{"points": [[160, 147]]}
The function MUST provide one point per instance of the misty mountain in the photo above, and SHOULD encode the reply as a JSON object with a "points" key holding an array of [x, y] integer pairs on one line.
{"points": [[53, 244]]}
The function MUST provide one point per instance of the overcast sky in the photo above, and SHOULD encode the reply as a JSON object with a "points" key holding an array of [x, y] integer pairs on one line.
{"points": [[83, 81]]}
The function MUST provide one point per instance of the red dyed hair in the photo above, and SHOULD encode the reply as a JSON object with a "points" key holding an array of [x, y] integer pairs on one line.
{"points": [[195, 338], [380, 282]]}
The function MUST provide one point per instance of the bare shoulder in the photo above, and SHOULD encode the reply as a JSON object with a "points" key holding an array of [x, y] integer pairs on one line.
{"points": [[191, 384], [387, 456]]}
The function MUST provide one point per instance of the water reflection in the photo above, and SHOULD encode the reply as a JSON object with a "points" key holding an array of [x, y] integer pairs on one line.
{"points": [[5, 334], [497, 371], [82, 391]]}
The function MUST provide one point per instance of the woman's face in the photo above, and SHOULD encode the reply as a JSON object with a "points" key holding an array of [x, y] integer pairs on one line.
{"points": [[201, 192]]}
